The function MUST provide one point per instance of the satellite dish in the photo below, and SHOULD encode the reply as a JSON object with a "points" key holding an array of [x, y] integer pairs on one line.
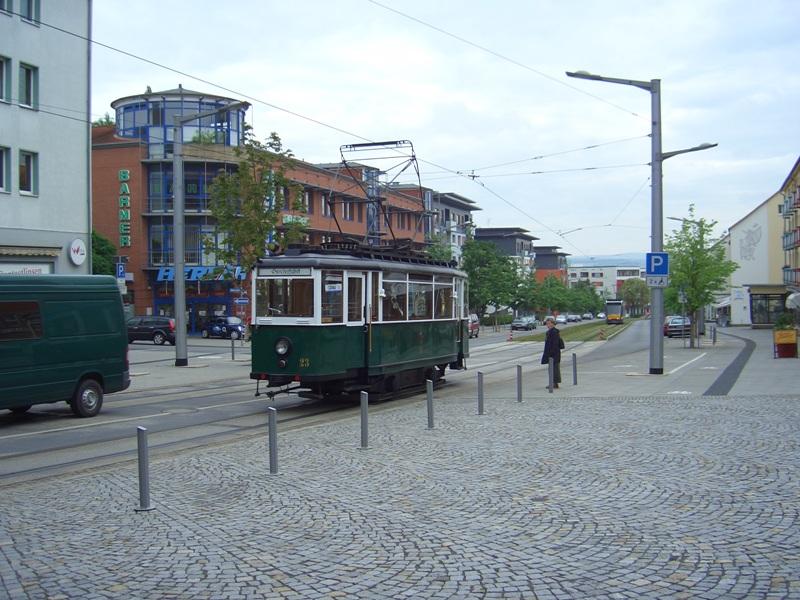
{"points": [[793, 300]]}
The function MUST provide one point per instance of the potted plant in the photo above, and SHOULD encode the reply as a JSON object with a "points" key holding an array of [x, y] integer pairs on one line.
{"points": [[784, 336]]}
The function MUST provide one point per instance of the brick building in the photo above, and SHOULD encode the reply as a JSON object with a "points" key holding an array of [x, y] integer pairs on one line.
{"points": [[133, 200]]}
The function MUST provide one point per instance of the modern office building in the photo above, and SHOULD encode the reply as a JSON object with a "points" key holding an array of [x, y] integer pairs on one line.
{"points": [[133, 201], [550, 262], [45, 117], [513, 242]]}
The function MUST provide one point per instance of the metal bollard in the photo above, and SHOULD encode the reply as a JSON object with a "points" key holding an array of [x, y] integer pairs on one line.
{"points": [[550, 374], [574, 369], [364, 423], [429, 386], [272, 414], [480, 393], [519, 383], [144, 471], [233, 351], [714, 335]]}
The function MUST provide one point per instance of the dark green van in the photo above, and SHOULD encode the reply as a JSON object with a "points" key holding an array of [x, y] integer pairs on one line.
{"points": [[62, 337]]}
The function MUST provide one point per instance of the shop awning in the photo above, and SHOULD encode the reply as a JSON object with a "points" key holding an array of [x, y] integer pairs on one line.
{"points": [[723, 303], [793, 300], [29, 251]]}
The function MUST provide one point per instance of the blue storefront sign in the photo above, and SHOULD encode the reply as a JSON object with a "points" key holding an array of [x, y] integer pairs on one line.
{"points": [[201, 273]]}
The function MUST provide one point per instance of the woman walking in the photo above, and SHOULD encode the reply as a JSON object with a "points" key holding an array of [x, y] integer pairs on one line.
{"points": [[552, 349]]}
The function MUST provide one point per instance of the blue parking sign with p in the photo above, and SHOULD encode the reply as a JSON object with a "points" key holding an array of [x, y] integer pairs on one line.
{"points": [[120, 270], [657, 263]]}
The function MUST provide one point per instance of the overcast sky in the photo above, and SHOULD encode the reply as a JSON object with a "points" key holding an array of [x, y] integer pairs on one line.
{"points": [[479, 88]]}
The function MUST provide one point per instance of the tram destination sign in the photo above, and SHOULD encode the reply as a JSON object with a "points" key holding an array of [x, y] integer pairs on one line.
{"points": [[284, 272]]}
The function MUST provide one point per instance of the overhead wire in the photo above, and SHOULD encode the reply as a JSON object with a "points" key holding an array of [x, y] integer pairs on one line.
{"points": [[242, 95]]}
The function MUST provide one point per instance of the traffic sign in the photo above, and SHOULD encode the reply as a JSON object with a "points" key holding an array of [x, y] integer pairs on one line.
{"points": [[120, 270], [657, 263], [244, 300], [657, 281]]}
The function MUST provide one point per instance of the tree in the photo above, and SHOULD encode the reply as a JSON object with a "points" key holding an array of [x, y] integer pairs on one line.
{"points": [[440, 248], [492, 276], [247, 203], [103, 255], [553, 295], [526, 294], [584, 298], [696, 270], [104, 122], [635, 294]]}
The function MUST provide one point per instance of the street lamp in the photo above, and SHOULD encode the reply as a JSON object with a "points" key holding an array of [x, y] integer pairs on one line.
{"points": [[178, 241], [656, 203]]}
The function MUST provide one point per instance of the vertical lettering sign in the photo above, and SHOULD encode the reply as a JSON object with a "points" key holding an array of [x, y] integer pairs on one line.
{"points": [[124, 208]]}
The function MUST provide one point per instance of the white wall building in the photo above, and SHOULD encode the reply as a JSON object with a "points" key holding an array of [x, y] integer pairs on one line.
{"points": [[757, 291], [605, 279], [45, 124]]}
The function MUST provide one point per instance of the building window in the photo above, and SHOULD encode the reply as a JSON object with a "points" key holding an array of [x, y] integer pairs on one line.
{"points": [[5, 79], [5, 169], [28, 86], [29, 10], [28, 172], [347, 211], [5, 6], [326, 205]]}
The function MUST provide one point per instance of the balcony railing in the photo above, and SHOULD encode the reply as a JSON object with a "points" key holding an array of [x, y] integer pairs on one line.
{"points": [[791, 276], [160, 258], [791, 239], [165, 205]]}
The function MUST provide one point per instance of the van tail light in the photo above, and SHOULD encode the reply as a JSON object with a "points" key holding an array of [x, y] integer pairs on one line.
{"points": [[172, 324], [127, 362]]}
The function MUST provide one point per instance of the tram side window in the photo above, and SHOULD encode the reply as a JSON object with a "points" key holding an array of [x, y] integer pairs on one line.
{"points": [[332, 297], [285, 297], [443, 300], [375, 296], [421, 300], [395, 299]]}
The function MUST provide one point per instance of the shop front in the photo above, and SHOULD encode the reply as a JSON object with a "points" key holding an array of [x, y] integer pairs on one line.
{"points": [[207, 296]]}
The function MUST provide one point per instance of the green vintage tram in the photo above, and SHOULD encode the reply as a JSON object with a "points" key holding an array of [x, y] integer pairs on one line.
{"points": [[343, 318]]}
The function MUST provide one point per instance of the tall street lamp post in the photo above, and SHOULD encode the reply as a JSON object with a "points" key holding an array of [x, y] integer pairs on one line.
{"points": [[178, 241], [656, 203]]}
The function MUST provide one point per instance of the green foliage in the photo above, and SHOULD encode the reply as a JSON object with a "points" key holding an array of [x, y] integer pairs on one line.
{"points": [[784, 320], [440, 249], [635, 294], [584, 298], [493, 278], [247, 204], [103, 255], [553, 295], [104, 122], [526, 295], [696, 268]]}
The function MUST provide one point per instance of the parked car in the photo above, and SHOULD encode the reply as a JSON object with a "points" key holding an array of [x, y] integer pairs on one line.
{"points": [[561, 320], [679, 326], [573, 318], [587, 316], [601, 315], [224, 327], [158, 329], [524, 323], [474, 325]]}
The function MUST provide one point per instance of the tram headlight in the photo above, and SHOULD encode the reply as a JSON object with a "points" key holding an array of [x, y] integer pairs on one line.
{"points": [[283, 346]]}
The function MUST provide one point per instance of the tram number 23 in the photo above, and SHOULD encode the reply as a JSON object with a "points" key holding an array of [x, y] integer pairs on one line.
{"points": [[304, 363]]}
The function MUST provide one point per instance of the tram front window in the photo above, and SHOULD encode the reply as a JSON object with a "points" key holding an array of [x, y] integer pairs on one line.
{"points": [[285, 297]]}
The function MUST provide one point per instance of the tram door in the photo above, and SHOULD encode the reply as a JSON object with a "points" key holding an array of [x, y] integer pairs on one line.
{"points": [[356, 300]]}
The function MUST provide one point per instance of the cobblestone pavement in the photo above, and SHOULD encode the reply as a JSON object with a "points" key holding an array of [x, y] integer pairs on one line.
{"points": [[659, 497]]}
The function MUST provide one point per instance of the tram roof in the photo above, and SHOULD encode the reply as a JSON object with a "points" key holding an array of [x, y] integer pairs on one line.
{"points": [[358, 258]]}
